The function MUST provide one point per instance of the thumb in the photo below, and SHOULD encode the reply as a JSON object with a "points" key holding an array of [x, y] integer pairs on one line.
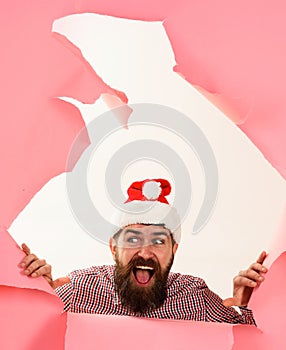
{"points": [[60, 282], [229, 302]]}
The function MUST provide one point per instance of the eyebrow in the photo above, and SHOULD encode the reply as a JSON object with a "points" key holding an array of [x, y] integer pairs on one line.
{"points": [[156, 233], [133, 231], [160, 233]]}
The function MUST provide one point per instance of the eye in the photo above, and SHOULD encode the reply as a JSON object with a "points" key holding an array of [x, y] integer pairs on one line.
{"points": [[158, 241], [132, 239]]}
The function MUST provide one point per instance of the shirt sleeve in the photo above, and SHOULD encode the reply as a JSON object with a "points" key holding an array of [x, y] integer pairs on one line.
{"points": [[65, 293], [217, 312]]}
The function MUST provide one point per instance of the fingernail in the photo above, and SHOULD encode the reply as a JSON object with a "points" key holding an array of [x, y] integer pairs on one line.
{"points": [[26, 272], [34, 274], [261, 278], [23, 265]]}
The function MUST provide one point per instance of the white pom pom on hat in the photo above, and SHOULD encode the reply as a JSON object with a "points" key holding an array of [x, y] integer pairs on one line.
{"points": [[147, 204], [151, 190]]}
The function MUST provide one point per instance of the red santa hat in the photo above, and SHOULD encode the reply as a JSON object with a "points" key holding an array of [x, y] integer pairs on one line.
{"points": [[147, 204]]}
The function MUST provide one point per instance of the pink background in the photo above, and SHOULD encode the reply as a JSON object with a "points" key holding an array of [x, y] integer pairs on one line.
{"points": [[233, 53]]}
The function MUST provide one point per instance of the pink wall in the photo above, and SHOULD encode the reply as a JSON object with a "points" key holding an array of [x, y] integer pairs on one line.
{"points": [[234, 52]]}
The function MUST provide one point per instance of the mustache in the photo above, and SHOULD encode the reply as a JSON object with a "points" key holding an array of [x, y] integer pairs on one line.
{"points": [[139, 261]]}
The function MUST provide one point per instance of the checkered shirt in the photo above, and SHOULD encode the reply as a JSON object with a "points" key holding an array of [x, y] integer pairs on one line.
{"points": [[93, 291]]}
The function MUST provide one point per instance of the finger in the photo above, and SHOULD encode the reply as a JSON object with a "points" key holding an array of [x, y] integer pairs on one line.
{"points": [[33, 266], [252, 274], [245, 281], [261, 257], [28, 260], [42, 271], [258, 267], [26, 249]]}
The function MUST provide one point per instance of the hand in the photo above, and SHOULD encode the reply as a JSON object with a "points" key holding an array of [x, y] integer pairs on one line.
{"points": [[35, 267], [246, 281]]}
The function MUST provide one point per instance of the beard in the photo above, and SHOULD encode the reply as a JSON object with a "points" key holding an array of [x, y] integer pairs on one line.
{"points": [[141, 299]]}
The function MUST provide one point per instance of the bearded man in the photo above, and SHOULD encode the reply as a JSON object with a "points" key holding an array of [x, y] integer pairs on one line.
{"points": [[140, 283]]}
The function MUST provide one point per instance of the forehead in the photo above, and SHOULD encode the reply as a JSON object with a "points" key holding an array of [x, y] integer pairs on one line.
{"points": [[143, 229]]}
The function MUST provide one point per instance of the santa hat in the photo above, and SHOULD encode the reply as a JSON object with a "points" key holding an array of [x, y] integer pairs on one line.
{"points": [[147, 204]]}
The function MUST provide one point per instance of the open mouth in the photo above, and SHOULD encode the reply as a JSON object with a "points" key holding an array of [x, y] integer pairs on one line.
{"points": [[143, 274]]}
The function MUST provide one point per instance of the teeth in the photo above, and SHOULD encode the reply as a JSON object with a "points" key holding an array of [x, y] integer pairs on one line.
{"points": [[144, 267]]}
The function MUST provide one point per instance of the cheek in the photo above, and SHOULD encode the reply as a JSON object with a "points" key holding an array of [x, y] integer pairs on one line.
{"points": [[126, 255], [164, 258]]}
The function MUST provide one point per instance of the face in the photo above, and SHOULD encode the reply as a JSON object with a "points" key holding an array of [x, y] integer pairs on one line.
{"points": [[144, 255]]}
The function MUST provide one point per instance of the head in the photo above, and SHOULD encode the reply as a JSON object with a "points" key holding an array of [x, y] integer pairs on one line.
{"points": [[143, 255], [145, 245]]}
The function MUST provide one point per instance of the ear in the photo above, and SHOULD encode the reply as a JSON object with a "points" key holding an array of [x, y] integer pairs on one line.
{"points": [[112, 246], [175, 247]]}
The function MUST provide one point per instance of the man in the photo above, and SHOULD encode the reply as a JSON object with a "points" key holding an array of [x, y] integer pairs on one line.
{"points": [[140, 283]]}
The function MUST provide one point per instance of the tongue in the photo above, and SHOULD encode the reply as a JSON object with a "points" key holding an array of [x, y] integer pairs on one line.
{"points": [[142, 276]]}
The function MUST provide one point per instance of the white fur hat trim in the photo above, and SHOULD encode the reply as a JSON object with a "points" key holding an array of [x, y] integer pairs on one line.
{"points": [[149, 212]]}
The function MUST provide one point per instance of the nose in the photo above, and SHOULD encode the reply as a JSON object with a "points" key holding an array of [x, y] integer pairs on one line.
{"points": [[146, 252]]}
